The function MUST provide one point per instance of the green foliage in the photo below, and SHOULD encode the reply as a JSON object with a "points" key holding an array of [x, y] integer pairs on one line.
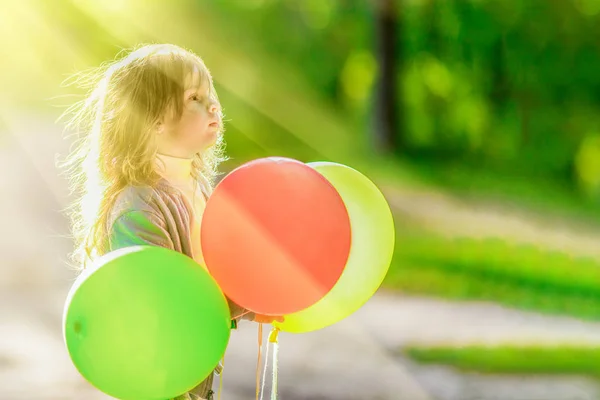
{"points": [[319, 37], [515, 275], [508, 84], [505, 85], [513, 359]]}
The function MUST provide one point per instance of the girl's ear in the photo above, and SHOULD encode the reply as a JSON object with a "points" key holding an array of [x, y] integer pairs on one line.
{"points": [[162, 123]]}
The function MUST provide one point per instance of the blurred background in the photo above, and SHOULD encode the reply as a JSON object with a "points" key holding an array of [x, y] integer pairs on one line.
{"points": [[478, 119]]}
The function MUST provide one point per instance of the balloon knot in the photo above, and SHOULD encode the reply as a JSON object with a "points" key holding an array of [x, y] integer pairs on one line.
{"points": [[274, 335]]}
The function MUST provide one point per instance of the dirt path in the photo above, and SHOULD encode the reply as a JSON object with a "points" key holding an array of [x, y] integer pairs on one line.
{"points": [[396, 321], [450, 216]]}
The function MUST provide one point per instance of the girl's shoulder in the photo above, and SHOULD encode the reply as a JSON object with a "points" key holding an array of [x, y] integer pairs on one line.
{"points": [[152, 199], [138, 198], [133, 198]]}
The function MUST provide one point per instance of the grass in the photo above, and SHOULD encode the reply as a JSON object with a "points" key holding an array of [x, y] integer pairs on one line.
{"points": [[519, 276], [509, 359]]}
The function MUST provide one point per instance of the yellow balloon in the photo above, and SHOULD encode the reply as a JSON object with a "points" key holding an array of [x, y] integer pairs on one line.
{"points": [[370, 256]]}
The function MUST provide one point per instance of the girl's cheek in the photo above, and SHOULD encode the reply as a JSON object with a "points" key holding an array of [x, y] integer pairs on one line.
{"points": [[198, 110]]}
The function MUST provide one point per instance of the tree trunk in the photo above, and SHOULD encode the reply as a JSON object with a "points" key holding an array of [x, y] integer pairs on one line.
{"points": [[386, 110]]}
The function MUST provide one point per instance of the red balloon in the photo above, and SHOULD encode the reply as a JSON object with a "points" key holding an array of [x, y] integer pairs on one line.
{"points": [[275, 236]]}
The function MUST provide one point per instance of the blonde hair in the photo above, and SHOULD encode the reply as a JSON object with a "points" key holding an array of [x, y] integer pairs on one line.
{"points": [[116, 125]]}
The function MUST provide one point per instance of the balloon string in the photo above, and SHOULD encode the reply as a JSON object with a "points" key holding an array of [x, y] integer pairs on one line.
{"points": [[260, 334], [273, 338], [264, 377], [221, 378], [241, 315]]}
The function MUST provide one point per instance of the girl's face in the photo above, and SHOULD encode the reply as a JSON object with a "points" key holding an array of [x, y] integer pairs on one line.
{"points": [[196, 130]]}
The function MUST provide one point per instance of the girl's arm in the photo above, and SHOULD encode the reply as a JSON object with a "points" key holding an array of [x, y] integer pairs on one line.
{"points": [[139, 227]]}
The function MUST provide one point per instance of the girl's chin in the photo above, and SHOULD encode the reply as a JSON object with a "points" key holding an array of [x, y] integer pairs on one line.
{"points": [[210, 138]]}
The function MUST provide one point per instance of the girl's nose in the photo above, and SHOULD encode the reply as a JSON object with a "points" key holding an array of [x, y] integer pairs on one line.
{"points": [[214, 108]]}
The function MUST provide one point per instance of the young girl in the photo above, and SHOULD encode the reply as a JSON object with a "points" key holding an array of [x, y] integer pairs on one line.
{"points": [[152, 139]]}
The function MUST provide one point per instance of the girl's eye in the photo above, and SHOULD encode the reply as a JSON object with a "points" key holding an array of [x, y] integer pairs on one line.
{"points": [[196, 97], [203, 100]]}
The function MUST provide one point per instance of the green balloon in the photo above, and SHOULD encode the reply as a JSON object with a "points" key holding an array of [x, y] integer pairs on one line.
{"points": [[145, 322], [370, 254]]}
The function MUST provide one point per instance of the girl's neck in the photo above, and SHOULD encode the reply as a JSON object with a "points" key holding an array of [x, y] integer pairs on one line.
{"points": [[176, 170]]}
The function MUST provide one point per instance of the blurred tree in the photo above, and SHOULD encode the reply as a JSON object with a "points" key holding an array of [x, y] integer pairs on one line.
{"points": [[387, 114]]}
